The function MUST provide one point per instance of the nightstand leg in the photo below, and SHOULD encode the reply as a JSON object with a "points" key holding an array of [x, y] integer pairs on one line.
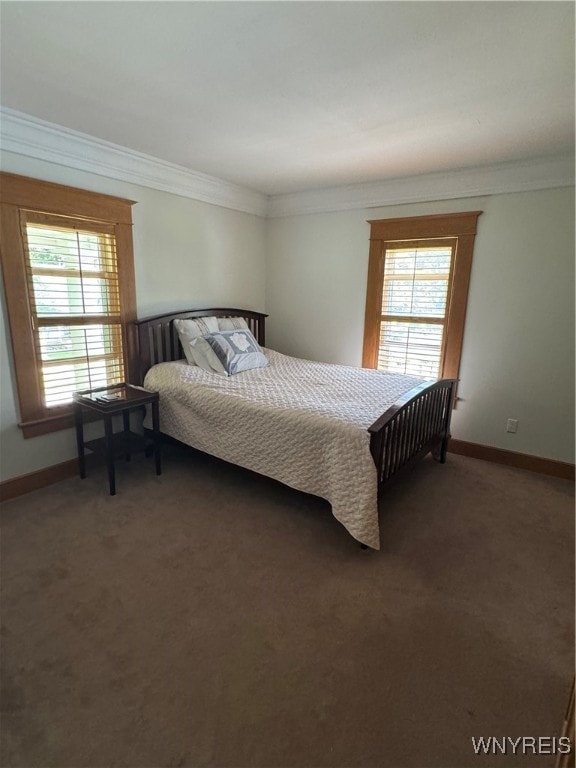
{"points": [[80, 440], [110, 454], [126, 417], [156, 436]]}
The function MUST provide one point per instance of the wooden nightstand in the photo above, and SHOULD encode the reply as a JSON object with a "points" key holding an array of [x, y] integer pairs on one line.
{"points": [[108, 402]]}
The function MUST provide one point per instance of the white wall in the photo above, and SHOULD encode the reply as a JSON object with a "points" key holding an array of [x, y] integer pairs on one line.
{"points": [[518, 354], [187, 254]]}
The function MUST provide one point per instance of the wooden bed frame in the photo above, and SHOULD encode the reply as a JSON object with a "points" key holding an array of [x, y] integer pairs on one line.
{"points": [[417, 424]]}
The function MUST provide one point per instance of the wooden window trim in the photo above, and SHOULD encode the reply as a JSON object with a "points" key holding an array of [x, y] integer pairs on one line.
{"points": [[458, 226], [20, 194]]}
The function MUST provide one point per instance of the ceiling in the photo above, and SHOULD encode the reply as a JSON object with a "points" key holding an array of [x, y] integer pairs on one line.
{"points": [[283, 97]]}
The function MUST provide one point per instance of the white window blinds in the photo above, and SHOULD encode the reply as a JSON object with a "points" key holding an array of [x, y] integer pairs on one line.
{"points": [[74, 296], [415, 301]]}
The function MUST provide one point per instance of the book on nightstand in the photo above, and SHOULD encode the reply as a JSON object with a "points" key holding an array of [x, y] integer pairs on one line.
{"points": [[105, 396]]}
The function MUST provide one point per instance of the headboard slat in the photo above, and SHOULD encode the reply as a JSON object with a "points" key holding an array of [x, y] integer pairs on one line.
{"points": [[175, 351], [166, 342]]}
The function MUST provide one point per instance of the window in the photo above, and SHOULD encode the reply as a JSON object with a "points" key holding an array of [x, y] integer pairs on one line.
{"points": [[418, 277], [69, 283]]}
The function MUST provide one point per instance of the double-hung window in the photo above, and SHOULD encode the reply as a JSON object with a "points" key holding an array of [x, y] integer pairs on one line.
{"points": [[418, 278], [69, 284]]}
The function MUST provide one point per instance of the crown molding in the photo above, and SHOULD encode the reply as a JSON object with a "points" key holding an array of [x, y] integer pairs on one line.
{"points": [[32, 137], [525, 176]]}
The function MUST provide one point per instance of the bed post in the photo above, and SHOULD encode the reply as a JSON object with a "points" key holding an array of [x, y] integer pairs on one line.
{"points": [[442, 449]]}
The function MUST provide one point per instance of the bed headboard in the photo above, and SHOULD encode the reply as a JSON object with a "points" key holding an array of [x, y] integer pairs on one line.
{"points": [[158, 340]]}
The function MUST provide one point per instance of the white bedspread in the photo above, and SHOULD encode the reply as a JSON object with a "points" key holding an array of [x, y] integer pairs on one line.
{"points": [[300, 422]]}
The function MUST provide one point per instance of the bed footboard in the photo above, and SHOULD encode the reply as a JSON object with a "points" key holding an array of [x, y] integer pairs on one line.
{"points": [[415, 425]]}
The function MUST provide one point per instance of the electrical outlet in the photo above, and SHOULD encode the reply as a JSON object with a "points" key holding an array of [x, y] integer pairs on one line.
{"points": [[512, 425]]}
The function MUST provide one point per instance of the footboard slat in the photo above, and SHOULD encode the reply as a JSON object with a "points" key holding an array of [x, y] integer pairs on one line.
{"points": [[413, 442], [401, 439], [385, 459], [412, 427]]}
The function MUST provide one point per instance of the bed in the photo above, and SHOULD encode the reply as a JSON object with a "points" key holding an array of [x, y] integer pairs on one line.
{"points": [[338, 432]]}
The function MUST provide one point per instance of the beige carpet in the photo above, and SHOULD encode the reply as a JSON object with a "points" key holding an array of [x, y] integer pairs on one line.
{"points": [[213, 618]]}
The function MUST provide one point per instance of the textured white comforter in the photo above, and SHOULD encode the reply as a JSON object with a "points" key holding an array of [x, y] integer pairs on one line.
{"points": [[300, 422]]}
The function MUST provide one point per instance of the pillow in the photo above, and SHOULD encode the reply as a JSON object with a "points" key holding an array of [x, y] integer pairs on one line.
{"points": [[193, 328], [232, 324], [204, 356], [228, 352]]}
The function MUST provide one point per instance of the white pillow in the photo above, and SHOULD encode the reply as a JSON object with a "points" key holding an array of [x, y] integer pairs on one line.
{"points": [[205, 357], [191, 329], [232, 324]]}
